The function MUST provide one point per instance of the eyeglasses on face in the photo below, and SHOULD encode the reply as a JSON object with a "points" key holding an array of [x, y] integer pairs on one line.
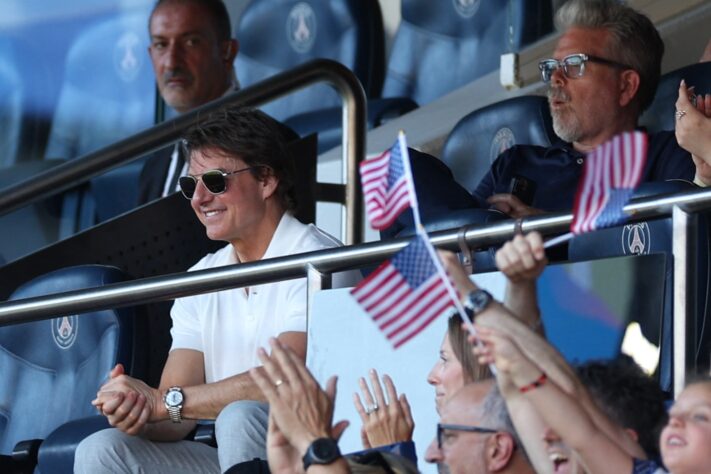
{"points": [[573, 66], [215, 181], [442, 429]]}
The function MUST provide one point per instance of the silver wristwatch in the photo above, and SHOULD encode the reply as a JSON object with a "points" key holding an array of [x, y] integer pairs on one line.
{"points": [[174, 400]]}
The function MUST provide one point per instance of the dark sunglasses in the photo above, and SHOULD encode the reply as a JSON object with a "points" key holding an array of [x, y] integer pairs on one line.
{"points": [[215, 181], [441, 428]]}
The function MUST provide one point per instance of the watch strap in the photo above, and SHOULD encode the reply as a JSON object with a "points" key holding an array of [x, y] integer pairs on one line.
{"points": [[175, 412]]}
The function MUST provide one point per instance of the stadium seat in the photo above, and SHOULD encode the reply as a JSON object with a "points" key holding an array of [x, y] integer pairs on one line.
{"points": [[39, 223], [647, 237], [51, 369], [108, 89], [440, 46], [660, 114], [443, 205], [11, 97], [277, 35], [478, 138], [107, 65]]}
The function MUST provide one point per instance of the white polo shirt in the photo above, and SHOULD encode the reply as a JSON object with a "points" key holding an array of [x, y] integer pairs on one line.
{"points": [[228, 326]]}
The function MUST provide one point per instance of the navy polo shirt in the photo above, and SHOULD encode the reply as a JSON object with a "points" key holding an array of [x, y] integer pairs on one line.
{"points": [[556, 170]]}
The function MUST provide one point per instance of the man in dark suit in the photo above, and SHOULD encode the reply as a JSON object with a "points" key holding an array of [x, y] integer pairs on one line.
{"points": [[192, 53]]}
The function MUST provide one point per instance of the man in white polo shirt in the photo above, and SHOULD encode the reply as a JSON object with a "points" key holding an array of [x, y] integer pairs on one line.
{"points": [[240, 185]]}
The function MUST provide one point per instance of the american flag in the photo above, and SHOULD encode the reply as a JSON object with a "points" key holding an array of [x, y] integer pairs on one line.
{"points": [[406, 293], [385, 185], [612, 172]]}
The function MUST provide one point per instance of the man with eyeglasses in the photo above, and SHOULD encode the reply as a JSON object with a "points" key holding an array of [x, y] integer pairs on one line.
{"points": [[603, 75], [475, 433], [240, 184]]}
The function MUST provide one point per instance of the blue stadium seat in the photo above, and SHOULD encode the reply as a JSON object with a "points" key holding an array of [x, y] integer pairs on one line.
{"points": [[440, 46], [108, 94], [11, 98], [51, 369], [443, 204], [37, 224], [479, 137], [108, 90], [660, 114], [277, 35], [654, 236]]}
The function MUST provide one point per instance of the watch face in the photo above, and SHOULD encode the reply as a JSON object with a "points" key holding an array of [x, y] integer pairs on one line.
{"points": [[479, 300], [174, 398], [325, 449]]}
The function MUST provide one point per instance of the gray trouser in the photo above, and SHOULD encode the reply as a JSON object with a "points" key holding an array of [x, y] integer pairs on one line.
{"points": [[240, 428]]}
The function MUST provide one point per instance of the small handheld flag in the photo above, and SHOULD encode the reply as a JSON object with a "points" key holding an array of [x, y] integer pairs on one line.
{"points": [[405, 294], [612, 172], [387, 186]]}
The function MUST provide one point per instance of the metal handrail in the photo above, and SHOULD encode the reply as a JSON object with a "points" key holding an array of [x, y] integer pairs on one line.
{"points": [[71, 173], [168, 287]]}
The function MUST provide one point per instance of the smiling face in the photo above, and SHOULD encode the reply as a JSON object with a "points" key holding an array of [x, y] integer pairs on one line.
{"points": [[583, 107], [192, 66], [240, 213], [446, 376], [686, 439]]}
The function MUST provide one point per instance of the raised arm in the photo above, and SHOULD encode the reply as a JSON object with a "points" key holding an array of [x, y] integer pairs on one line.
{"points": [[522, 260], [577, 425], [385, 421], [693, 131], [301, 410]]}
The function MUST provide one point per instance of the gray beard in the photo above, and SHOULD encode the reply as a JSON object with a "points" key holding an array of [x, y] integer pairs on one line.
{"points": [[569, 132]]}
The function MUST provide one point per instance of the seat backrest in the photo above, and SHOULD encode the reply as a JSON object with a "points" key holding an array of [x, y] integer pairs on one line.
{"points": [[660, 114], [652, 237], [33, 226], [51, 369], [108, 92], [442, 45], [479, 137], [11, 103], [277, 35]]}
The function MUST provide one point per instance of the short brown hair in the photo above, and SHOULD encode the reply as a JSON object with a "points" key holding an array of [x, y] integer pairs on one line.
{"points": [[252, 136]]}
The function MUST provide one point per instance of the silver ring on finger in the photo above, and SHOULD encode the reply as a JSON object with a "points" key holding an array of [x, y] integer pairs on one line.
{"points": [[371, 408], [278, 382], [679, 114]]}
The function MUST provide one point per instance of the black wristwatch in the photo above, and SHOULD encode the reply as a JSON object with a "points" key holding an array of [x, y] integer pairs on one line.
{"points": [[477, 301], [321, 451]]}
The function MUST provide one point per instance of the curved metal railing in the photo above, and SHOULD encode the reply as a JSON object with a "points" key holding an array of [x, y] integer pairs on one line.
{"points": [[71, 173], [318, 266]]}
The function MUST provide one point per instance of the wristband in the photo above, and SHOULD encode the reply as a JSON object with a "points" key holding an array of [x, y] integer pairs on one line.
{"points": [[535, 384]]}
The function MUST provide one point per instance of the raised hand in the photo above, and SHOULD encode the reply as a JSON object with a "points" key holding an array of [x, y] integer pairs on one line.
{"points": [[384, 421]]}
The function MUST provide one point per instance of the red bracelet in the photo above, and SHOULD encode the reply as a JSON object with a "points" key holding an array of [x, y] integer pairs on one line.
{"points": [[535, 384]]}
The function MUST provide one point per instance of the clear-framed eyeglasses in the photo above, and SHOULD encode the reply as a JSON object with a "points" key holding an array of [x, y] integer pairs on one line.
{"points": [[573, 66]]}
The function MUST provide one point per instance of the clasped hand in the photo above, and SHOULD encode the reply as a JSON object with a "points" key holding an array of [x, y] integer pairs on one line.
{"points": [[127, 403]]}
